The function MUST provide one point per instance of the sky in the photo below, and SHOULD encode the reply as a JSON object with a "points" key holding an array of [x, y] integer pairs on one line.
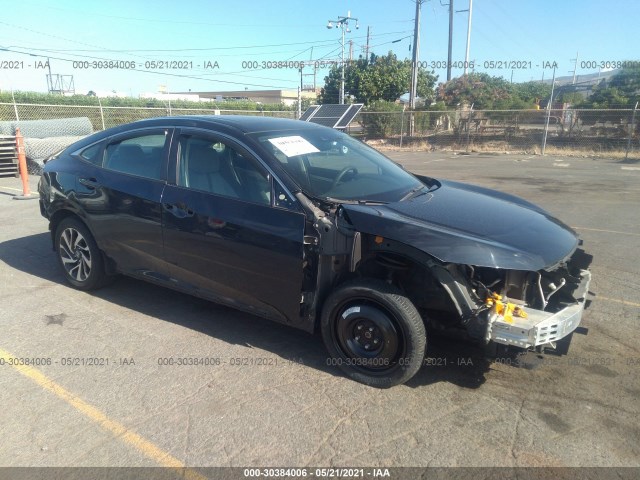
{"points": [[226, 45]]}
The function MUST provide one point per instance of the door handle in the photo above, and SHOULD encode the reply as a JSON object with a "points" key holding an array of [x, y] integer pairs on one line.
{"points": [[180, 210], [184, 209]]}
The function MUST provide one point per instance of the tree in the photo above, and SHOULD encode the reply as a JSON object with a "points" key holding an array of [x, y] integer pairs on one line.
{"points": [[487, 92], [376, 78], [572, 98], [620, 91], [479, 89], [531, 92]]}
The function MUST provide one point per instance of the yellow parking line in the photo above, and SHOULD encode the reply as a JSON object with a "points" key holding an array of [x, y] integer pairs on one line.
{"points": [[624, 302], [117, 429], [606, 231]]}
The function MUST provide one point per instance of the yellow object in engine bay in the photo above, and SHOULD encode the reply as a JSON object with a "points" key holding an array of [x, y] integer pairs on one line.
{"points": [[505, 309]]}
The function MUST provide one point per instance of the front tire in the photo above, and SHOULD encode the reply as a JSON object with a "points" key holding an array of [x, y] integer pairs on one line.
{"points": [[373, 333], [79, 255]]}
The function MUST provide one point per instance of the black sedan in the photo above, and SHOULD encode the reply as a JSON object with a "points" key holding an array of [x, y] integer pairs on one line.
{"points": [[304, 225]]}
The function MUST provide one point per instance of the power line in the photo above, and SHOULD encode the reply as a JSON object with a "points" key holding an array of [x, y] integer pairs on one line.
{"points": [[57, 36], [201, 49], [155, 72]]}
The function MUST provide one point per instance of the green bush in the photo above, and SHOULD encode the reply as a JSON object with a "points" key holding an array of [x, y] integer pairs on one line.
{"points": [[384, 119]]}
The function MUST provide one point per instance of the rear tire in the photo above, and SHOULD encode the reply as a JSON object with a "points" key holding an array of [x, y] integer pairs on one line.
{"points": [[79, 255], [373, 333]]}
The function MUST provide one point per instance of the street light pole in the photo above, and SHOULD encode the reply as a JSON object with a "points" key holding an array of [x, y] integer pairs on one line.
{"points": [[343, 24]]}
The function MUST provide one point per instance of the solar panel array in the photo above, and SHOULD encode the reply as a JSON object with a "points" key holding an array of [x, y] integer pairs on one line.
{"points": [[348, 117], [308, 112], [334, 116]]}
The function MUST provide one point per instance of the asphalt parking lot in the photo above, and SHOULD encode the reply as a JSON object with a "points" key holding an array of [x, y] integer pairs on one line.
{"points": [[271, 399]]}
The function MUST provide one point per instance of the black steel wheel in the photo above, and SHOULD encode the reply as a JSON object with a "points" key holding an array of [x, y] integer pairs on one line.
{"points": [[373, 333], [79, 256]]}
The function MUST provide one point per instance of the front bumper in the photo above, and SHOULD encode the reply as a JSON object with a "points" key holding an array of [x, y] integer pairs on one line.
{"points": [[542, 328]]}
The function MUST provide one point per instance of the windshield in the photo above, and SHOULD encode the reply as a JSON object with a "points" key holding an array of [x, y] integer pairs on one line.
{"points": [[331, 164]]}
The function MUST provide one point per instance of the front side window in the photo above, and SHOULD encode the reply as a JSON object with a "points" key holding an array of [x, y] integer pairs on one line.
{"points": [[141, 155], [329, 164], [216, 167]]}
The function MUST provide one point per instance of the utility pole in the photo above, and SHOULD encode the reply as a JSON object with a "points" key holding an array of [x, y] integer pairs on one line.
{"points": [[574, 70], [341, 100], [414, 67], [343, 24], [466, 55], [350, 51], [315, 69], [450, 39], [366, 56], [300, 95], [414, 61], [50, 76]]}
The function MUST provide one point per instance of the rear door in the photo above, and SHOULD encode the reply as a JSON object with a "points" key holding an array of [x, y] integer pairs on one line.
{"points": [[225, 236], [121, 192]]}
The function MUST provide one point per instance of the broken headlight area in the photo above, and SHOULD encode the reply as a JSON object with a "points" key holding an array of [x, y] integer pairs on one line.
{"points": [[530, 309]]}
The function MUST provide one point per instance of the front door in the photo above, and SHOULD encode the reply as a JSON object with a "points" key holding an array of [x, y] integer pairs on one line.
{"points": [[225, 238]]}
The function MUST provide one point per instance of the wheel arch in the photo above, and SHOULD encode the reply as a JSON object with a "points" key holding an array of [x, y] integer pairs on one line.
{"points": [[65, 213], [58, 217], [416, 273]]}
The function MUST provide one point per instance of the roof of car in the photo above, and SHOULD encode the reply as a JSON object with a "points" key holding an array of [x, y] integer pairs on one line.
{"points": [[243, 123]]}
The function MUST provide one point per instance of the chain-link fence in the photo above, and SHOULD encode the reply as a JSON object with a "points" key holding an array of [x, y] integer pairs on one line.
{"points": [[603, 132], [106, 117], [50, 128]]}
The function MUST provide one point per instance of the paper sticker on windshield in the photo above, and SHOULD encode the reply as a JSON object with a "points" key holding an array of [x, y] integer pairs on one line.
{"points": [[293, 145]]}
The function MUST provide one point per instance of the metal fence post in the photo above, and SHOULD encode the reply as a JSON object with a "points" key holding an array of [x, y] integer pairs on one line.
{"points": [[631, 131], [15, 107], [101, 113], [546, 123], [402, 125], [469, 126]]}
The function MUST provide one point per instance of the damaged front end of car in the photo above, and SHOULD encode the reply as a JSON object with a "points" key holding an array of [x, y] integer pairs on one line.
{"points": [[530, 310], [517, 308], [522, 287]]}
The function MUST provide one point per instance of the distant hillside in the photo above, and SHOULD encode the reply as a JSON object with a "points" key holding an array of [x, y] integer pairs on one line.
{"points": [[585, 79]]}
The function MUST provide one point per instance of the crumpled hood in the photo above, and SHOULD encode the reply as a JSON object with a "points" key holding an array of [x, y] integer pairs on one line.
{"points": [[466, 224]]}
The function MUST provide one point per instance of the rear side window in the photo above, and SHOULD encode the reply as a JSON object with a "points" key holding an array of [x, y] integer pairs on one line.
{"points": [[93, 154], [141, 155]]}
